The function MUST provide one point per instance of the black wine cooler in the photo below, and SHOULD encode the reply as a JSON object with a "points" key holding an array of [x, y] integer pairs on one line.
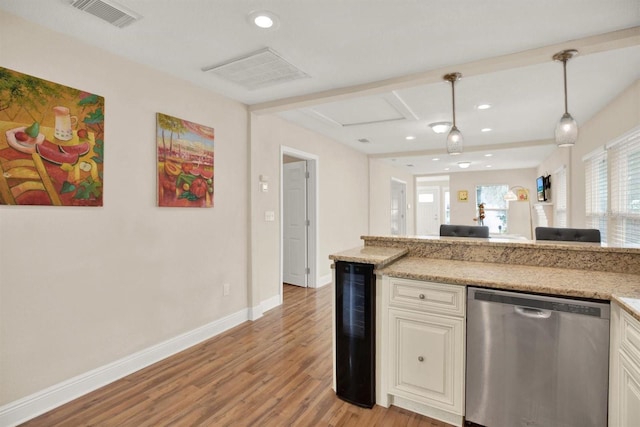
{"points": [[355, 333]]}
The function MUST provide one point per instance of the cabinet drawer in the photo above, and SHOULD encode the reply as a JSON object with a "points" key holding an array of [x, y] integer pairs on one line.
{"points": [[630, 335], [427, 296]]}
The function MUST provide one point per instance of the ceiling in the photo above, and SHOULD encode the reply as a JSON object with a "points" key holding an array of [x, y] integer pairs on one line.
{"points": [[375, 67]]}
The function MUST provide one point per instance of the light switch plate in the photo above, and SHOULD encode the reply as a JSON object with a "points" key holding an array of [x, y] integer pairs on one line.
{"points": [[269, 216]]}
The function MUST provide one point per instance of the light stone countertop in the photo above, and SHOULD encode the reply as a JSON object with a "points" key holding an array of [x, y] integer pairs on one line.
{"points": [[619, 287], [377, 255]]}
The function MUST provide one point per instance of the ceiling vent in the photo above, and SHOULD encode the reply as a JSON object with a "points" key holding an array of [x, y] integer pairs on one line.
{"points": [[257, 70], [107, 10]]}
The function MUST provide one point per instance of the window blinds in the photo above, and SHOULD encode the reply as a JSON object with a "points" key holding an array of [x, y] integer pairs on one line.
{"points": [[596, 192], [624, 174]]}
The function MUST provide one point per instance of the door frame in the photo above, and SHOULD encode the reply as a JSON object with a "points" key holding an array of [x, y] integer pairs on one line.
{"points": [[312, 213]]}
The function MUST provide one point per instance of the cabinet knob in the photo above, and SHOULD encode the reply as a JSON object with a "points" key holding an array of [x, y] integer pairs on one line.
{"points": [[420, 359], [421, 296]]}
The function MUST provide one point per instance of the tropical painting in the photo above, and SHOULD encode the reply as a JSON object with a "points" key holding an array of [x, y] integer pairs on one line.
{"points": [[51, 143], [185, 163]]}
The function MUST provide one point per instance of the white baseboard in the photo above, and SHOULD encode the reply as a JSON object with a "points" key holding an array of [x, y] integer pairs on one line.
{"points": [[45, 400], [255, 312], [325, 280], [270, 303]]}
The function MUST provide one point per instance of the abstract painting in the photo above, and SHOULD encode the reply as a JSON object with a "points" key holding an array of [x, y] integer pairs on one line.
{"points": [[51, 143], [185, 163]]}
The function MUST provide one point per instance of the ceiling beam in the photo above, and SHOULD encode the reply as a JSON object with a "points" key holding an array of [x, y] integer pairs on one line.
{"points": [[467, 149], [586, 46]]}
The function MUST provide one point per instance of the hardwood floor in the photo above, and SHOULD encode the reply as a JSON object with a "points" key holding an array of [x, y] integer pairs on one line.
{"points": [[275, 371]]}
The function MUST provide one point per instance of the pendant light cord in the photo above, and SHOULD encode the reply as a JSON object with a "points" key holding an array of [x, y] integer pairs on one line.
{"points": [[453, 97], [564, 66]]}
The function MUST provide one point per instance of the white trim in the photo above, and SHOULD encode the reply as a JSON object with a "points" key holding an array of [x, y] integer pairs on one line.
{"points": [[633, 133], [255, 312], [324, 280], [594, 153], [428, 411], [272, 302], [31, 406]]}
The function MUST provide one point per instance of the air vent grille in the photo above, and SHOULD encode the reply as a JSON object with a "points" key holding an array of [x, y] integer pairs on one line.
{"points": [[107, 10], [257, 70]]}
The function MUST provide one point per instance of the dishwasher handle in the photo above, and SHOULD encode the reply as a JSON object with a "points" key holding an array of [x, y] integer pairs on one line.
{"points": [[532, 313]]}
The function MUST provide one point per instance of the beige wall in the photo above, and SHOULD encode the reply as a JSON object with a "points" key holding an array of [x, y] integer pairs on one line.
{"points": [[83, 287], [380, 178], [618, 117], [343, 198], [463, 212]]}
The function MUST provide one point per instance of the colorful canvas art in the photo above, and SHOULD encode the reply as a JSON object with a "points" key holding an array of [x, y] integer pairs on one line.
{"points": [[185, 163], [51, 143]]}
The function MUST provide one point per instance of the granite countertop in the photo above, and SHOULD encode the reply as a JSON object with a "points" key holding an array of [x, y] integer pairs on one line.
{"points": [[376, 255], [619, 287]]}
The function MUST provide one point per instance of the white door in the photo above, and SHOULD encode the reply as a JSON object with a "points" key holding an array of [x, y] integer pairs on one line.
{"points": [[428, 211], [398, 208], [294, 220]]}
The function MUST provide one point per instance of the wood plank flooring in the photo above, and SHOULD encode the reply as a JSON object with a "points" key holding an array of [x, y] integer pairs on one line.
{"points": [[275, 371]]}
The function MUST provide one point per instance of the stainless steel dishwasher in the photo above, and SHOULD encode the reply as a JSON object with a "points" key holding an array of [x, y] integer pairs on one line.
{"points": [[536, 361]]}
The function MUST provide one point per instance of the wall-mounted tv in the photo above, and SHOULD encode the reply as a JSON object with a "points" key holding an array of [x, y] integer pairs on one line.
{"points": [[543, 184]]}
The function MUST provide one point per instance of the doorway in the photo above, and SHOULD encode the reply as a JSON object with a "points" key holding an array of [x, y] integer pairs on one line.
{"points": [[294, 221], [298, 221], [398, 207], [428, 211]]}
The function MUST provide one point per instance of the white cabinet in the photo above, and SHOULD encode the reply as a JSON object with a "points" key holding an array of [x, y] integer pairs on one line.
{"points": [[425, 336], [624, 385]]}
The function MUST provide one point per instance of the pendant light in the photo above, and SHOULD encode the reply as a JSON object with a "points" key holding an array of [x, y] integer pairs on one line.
{"points": [[454, 139], [567, 127]]}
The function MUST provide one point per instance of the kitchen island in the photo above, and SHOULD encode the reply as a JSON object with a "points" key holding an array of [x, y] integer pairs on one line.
{"points": [[418, 279]]}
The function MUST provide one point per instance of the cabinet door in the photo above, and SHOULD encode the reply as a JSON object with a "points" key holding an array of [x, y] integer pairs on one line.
{"points": [[627, 407], [624, 382], [426, 359]]}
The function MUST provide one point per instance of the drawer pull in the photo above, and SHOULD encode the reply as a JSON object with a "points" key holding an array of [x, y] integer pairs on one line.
{"points": [[421, 296], [420, 359]]}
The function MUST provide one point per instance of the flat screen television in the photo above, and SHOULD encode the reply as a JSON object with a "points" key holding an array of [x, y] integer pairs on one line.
{"points": [[542, 185]]}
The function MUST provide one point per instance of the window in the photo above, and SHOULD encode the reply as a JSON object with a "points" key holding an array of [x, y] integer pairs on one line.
{"points": [[596, 192], [624, 171], [559, 197], [495, 207], [612, 178]]}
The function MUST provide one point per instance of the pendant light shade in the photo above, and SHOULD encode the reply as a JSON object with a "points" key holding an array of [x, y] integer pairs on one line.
{"points": [[566, 131], [454, 139], [567, 127]]}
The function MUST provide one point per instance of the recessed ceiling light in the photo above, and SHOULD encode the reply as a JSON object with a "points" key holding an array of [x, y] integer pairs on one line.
{"points": [[486, 130], [440, 127], [488, 155], [483, 106], [488, 166], [464, 165], [264, 19], [446, 169], [410, 138], [435, 159]]}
